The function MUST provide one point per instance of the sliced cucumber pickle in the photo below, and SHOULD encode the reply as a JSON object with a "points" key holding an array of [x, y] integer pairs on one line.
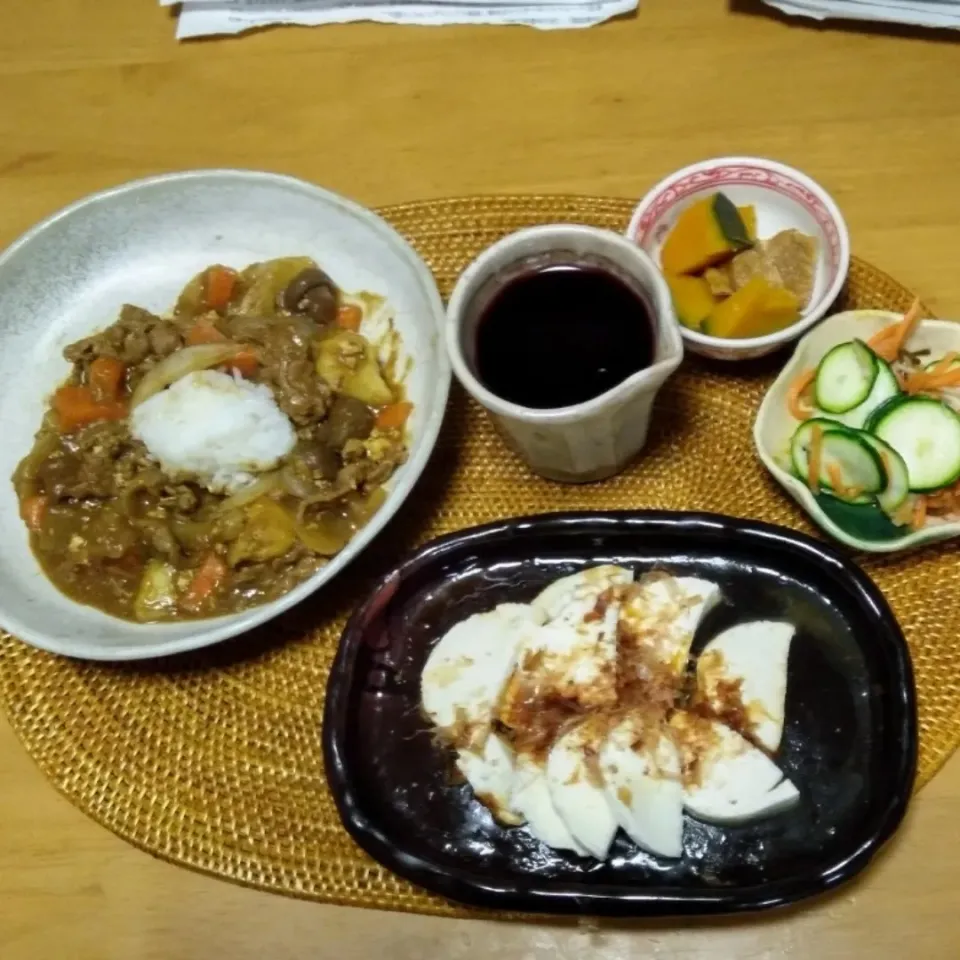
{"points": [[897, 488], [845, 377], [856, 464], [885, 387], [926, 434], [800, 444], [881, 411], [845, 454]]}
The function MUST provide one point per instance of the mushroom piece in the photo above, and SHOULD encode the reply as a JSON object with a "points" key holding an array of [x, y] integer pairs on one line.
{"points": [[312, 293]]}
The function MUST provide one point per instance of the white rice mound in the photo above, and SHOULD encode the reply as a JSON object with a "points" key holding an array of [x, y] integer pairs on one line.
{"points": [[220, 430]]}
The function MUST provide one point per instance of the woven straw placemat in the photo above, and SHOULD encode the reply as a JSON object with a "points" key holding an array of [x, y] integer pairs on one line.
{"points": [[213, 760]]}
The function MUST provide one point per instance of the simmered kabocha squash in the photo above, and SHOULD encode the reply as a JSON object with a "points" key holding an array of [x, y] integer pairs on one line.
{"points": [[756, 309], [692, 299], [707, 232]]}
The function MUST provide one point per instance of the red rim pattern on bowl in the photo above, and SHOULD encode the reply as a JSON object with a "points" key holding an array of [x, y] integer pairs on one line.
{"points": [[736, 174]]}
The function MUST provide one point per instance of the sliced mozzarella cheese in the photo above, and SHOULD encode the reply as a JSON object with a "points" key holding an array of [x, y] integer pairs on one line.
{"points": [[755, 654], [531, 800], [490, 772], [466, 671], [663, 613], [577, 790], [576, 595], [641, 774], [732, 780]]}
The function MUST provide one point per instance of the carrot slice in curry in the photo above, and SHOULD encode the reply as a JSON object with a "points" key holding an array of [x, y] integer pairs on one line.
{"points": [[208, 579], [33, 510], [77, 407], [245, 361], [203, 331], [106, 379], [349, 316], [218, 287], [394, 415]]}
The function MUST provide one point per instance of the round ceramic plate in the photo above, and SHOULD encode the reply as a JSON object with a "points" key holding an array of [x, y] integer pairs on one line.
{"points": [[140, 243], [775, 425]]}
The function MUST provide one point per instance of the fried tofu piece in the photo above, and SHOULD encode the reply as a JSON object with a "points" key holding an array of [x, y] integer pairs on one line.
{"points": [[719, 282], [795, 256], [754, 263]]}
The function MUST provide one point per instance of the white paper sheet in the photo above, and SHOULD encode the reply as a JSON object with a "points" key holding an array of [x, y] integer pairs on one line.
{"points": [[921, 13], [200, 18]]}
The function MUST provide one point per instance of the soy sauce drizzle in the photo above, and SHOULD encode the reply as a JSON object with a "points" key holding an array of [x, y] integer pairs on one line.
{"points": [[560, 335]]}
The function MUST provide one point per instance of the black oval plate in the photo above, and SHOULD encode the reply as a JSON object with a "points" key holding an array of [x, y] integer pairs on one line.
{"points": [[849, 743]]}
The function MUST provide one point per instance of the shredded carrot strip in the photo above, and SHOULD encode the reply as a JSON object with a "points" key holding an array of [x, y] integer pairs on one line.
{"points": [[903, 514], [929, 381], [882, 335], [917, 382], [839, 487], [888, 342], [949, 378], [944, 501], [919, 516], [795, 396], [836, 478], [944, 363], [941, 502], [815, 459]]}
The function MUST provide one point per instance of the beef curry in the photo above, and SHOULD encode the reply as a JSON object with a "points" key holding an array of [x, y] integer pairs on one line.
{"points": [[113, 529]]}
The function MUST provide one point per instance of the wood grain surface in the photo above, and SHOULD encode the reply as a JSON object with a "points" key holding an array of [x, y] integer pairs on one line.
{"points": [[95, 92]]}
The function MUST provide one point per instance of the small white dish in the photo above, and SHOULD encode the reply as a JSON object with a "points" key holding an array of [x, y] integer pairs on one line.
{"points": [[595, 439], [139, 243], [783, 198], [774, 425]]}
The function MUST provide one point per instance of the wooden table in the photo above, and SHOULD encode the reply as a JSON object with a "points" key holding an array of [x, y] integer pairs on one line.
{"points": [[95, 93]]}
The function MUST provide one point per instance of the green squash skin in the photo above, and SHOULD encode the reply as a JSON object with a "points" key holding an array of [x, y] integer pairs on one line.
{"points": [[730, 222]]}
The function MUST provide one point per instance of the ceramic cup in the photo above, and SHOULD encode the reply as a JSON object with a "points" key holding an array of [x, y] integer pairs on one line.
{"points": [[591, 440]]}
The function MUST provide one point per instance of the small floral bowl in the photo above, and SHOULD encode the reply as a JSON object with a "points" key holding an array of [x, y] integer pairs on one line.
{"points": [[783, 198], [775, 425]]}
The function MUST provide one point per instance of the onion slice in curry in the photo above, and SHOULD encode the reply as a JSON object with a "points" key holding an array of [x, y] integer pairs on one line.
{"points": [[179, 364], [265, 484]]}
